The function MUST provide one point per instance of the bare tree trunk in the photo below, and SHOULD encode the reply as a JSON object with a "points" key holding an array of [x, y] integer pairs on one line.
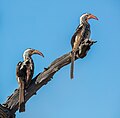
{"points": [[8, 109]]}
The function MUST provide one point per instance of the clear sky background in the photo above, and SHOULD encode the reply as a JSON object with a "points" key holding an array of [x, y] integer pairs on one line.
{"points": [[48, 25]]}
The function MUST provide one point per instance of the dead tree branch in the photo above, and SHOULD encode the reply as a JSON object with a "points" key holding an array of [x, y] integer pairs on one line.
{"points": [[8, 109]]}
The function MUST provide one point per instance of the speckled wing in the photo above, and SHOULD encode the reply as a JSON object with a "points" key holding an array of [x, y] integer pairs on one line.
{"points": [[20, 75], [75, 42], [78, 30]]}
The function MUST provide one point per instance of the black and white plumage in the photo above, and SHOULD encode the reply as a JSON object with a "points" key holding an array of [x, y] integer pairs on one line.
{"points": [[24, 74], [82, 33]]}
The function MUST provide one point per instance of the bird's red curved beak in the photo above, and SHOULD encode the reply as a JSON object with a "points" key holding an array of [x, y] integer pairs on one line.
{"points": [[91, 16], [38, 52]]}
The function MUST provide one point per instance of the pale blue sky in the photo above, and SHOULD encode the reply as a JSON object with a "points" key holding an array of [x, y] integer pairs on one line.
{"points": [[48, 26]]}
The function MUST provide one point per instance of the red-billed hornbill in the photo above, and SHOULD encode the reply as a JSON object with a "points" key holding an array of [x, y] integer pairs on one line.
{"points": [[24, 74], [82, 33]]}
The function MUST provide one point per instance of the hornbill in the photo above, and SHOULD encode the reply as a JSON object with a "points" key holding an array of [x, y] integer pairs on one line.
{"points": [[24, 74], [82, 33]]}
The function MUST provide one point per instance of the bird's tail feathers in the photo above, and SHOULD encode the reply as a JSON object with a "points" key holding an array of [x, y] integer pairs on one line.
{"points": [[72, 65], [22, 97]]}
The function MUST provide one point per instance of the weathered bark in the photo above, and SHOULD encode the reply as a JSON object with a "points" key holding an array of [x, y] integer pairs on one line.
{"points": [[11, 105], [5, 112]]}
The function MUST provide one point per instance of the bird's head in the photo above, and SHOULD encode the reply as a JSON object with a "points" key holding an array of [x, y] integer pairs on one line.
{"points": [[85, 17], [29, 52]]}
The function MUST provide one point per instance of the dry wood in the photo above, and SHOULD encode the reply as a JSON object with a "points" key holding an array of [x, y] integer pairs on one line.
{"points": [[41, 79]]}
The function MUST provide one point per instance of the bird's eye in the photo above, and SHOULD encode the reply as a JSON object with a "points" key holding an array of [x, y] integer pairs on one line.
{"points": [[27, 62], [85, 18]]}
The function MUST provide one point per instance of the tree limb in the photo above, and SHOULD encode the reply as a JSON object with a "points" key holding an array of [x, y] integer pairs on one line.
{"points": [[41, 79]]}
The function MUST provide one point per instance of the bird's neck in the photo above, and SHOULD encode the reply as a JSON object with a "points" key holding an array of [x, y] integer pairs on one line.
{"points": [[84, 22], [28, 61], [28, 58]]}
